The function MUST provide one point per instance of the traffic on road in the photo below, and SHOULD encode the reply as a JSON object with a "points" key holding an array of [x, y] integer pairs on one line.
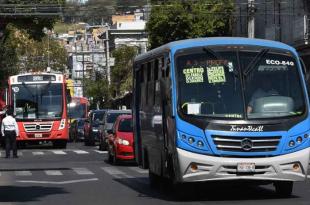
{"points": [[146, 102]]}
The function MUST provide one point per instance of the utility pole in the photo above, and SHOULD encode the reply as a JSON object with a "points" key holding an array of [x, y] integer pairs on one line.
{"points": [[108, 55], [251, 18]]}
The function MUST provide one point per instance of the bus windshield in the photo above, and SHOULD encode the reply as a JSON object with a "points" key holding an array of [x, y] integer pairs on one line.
{"points": [[77, 110], [38, 101], [238, 82]]}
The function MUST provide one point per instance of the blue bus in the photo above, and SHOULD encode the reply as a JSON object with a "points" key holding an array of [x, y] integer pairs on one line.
{"points": [[228, 108]]}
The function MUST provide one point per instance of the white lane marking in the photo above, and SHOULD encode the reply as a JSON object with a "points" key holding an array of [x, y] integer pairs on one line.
{"points": [[139, 170], [23, 173], [53, 172], [82, 171], [80, 152], [63, 182], [101, 152], [38, 153], [59, 152], [116, 173]]}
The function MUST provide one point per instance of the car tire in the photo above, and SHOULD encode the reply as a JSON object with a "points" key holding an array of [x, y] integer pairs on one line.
{"points": [[115, 161], [110, 157], [284, 188]]}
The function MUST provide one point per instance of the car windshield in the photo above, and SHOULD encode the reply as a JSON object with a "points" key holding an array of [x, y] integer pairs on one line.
{"points": [[210, 83], [125, 125], [38, 101], [98, 116]]}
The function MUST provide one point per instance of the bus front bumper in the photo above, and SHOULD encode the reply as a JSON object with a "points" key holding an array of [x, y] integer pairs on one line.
{"points": [[196, 167]]}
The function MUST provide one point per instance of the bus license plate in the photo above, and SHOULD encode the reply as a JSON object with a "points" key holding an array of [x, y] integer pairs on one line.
{"points": [[38, 135], [246, 167]]}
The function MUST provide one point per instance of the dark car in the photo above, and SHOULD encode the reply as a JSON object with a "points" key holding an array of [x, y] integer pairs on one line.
{"points": [[76, 131], [107, 125], [91, 127]]}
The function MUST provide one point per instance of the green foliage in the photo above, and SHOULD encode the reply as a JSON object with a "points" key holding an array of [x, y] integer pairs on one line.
{"points": [[121, 74], [99, 91], [177, 20], [23, 45], [19, 52]]}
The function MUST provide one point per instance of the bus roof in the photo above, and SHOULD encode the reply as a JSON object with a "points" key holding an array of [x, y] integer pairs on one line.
{"points": [[198, 42], [59, 78]]}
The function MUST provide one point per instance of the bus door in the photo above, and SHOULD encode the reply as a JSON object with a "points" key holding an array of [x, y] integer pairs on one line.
{"points": [[168, 123], [137, 115]]}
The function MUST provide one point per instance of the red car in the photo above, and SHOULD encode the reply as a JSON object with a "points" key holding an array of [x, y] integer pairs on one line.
{"points": [[120, 140]]}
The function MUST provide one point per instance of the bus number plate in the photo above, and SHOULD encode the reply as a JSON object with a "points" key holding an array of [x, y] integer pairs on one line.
{"points": [[38, 135], [246, 167]]}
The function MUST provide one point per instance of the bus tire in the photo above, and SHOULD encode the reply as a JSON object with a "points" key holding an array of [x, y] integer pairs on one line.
{"points": [[284, 188]]}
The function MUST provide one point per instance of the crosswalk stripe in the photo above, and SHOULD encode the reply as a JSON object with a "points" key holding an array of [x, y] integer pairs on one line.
{"points": [[38, 153], [59, 152], [53, 172], [23, 173], [139, 170], [80, 152], [101, 152], [82, 171]]}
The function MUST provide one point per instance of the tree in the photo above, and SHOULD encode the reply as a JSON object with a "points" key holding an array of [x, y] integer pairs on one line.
{"points": [[177, 20], [99, 91], [24, 42], [19, 52], [121, 74]]}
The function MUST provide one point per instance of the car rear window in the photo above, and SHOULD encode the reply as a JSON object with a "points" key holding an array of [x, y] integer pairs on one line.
{"points": [[125, 125], [111, 117]]}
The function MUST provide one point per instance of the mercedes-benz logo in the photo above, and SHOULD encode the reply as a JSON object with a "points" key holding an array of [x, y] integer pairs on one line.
{"points": [[246, 144], [38, 127]]}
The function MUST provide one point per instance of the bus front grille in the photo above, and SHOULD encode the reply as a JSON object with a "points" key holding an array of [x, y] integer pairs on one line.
{"points": [[38, 127], [246, 144]]}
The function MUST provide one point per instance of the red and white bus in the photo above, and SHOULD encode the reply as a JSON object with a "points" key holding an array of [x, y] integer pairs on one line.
{"points": [[40, 106]]}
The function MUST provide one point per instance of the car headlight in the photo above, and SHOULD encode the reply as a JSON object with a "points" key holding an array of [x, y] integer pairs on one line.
{"points": [[95, 130], [122, 142]]}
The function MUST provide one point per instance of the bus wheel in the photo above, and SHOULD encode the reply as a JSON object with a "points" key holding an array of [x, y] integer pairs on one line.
{"points": [[284, 188], [61, 144]]}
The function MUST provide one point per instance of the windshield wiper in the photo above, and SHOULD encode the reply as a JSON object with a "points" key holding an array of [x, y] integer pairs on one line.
{"points": [[255, 61]]}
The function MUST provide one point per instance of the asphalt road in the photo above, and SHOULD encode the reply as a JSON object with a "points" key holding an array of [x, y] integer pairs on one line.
{"points": [[80, 175]]}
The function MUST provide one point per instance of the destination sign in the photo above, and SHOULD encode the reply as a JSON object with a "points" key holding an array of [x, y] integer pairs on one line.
{"points": [[36, 78]]}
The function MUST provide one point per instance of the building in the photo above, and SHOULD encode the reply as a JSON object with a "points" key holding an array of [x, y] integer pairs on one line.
{"points": [[285, 21], [128, 29]]}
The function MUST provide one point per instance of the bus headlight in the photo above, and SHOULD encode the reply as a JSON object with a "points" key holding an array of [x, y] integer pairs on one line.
{"points": [[193, 141], [62, 124]]}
